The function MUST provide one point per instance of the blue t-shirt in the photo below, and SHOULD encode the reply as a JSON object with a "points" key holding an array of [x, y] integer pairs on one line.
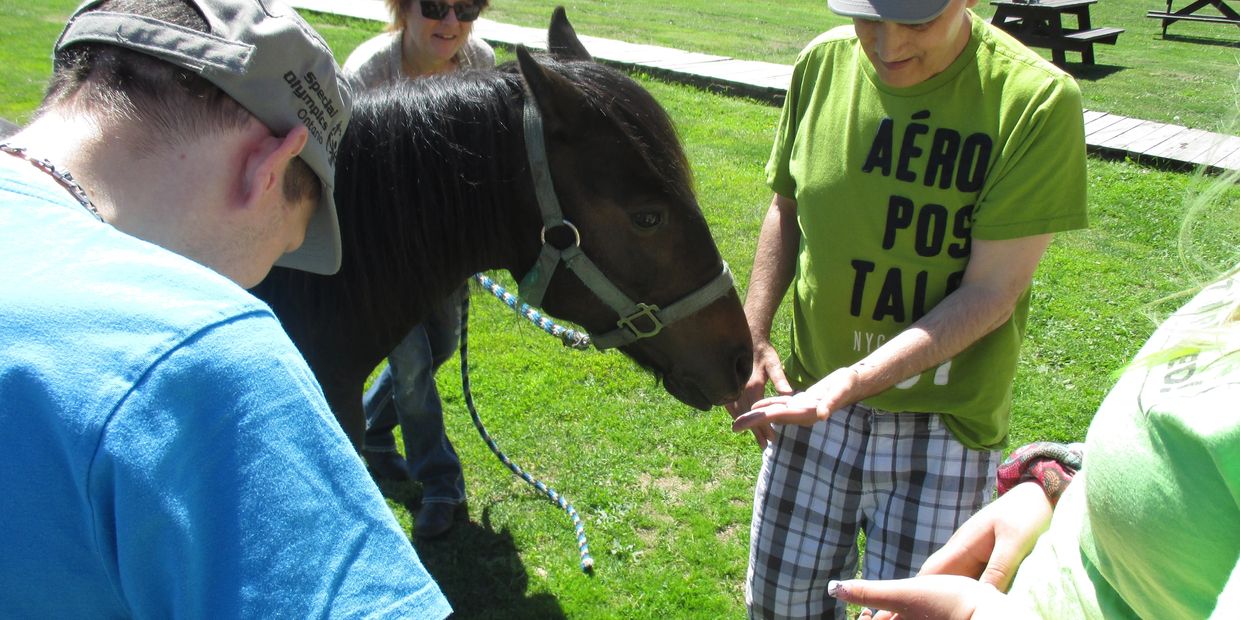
{"points": [[164, 449]]}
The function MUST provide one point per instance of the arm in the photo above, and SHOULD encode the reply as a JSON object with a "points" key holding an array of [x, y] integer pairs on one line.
{"points": [[774, 266], [966, 578], [936, 597], [997, 275], [991, 545], [227, 468]]}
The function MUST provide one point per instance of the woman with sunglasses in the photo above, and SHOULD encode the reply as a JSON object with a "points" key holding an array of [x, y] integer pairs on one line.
{"points": [[425, 38]]}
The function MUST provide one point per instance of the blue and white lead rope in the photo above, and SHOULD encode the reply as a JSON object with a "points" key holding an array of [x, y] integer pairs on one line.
{"points": [[570, 338]]}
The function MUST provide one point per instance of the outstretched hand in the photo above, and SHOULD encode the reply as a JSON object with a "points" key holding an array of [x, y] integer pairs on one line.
{"points": [[804, 408], [766, 367]]}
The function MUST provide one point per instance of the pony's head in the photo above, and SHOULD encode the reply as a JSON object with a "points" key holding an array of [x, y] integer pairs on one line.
{"points": [[628, 217]]}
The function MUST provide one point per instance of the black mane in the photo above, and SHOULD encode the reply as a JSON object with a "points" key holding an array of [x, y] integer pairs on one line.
{"points": [[427, 176], [429, 163], [638, 115]]}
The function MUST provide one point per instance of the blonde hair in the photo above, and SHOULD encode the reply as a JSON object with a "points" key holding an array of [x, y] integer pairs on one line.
{"points": [[397, 8], [1214, 202]]}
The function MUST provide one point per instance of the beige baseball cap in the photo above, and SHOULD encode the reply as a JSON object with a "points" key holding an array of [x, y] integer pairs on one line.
{"points": [[900, 11], [267, 58]]}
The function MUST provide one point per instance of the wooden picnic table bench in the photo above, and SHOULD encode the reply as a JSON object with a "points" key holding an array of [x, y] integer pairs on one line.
{"points": [[1189, 14], [1039, 23]]}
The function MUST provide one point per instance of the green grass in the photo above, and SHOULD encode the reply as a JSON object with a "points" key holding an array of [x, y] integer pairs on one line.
{"points": [[28, 30], [1186, 79], [665, 491]]}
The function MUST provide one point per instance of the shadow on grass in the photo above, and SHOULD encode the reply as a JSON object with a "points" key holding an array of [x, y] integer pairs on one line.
{"points": [[478, 569], [7, 128], [1202, 40], [1092, 72]]}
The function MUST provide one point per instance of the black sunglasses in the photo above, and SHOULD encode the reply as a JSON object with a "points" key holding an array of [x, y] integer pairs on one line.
{"points": [[465, 11]]}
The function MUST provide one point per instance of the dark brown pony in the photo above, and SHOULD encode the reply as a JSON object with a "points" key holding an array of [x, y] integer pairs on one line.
{"points": [[434, 184]]}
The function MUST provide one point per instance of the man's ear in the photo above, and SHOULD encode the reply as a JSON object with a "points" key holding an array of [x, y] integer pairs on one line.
{"points": [[266, 162]]}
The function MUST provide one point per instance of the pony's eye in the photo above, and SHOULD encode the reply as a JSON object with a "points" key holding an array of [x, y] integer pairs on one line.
{"points": [[647, 220]]}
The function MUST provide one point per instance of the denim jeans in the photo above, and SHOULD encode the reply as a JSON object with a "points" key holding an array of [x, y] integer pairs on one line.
{"points": [[405, 392]]}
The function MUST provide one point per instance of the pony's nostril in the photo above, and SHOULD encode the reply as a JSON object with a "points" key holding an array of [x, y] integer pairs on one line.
{"points": [[744, 366]]}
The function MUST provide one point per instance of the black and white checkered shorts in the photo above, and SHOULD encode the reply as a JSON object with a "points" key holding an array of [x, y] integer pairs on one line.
{"points": [[901, 478]]}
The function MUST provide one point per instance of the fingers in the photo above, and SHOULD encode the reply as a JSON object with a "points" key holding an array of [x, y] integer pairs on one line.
{"points": [[763, 435], [935, 596], [775, 372], [781, 410], [956, 557], [737, 407], [876, 614], [873, 596], [1017, 520], [766, 367], [991, 545], [801, 400], [765, 432], [999, 573], [768, 401]]}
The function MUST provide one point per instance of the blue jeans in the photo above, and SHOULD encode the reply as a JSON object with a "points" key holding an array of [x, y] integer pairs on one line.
{"points": [[406, 393]]}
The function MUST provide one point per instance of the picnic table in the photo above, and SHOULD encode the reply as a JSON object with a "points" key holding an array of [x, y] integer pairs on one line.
{"points": [[1040, 23], [1189, 13]]}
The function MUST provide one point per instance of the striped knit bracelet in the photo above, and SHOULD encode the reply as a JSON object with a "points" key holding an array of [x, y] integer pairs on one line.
{"points": [[1051, 465]]}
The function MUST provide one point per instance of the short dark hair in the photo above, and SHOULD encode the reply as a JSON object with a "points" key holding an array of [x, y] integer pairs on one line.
{"points": [[173, 103], [300, 182]]}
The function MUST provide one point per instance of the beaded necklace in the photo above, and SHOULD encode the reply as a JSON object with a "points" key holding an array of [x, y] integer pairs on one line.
{"points": [[62, 177]]}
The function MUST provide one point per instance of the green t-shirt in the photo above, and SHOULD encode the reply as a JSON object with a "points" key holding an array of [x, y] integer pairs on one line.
{"points": [[1150, 528], [892, 184]]}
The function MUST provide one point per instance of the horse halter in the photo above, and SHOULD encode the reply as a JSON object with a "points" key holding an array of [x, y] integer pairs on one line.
{"points": [[637, 320]]}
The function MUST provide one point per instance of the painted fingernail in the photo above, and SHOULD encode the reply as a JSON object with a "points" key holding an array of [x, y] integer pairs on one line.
{"points": [[835, 588]]}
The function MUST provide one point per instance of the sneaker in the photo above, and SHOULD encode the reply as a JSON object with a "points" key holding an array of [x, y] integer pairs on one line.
{"points": [[435, 519], [386, 465]]}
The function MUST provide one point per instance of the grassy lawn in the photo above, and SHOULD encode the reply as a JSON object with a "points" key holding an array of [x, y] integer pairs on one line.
{"points": [[665, 491], [1187, 79]]}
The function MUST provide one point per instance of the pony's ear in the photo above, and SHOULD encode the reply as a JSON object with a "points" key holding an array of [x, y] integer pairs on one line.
{"points": [[562, 41], [562, 104]]}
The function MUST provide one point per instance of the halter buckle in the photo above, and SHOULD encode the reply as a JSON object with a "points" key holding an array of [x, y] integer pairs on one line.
{"points": [[643, 310]]}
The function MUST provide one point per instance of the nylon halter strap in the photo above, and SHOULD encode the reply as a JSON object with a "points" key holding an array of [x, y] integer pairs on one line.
{"points": [[637, 320]]}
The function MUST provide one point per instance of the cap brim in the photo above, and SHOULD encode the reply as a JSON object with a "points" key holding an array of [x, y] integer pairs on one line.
{"points": [[900, 11], [320, 252]]}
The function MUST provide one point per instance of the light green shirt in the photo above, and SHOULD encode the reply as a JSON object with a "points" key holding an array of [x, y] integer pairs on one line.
{"points": [[891, 186], [1151, 526]]}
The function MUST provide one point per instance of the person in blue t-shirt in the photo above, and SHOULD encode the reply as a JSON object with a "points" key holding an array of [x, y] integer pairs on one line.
{"points": [[164, 449]]}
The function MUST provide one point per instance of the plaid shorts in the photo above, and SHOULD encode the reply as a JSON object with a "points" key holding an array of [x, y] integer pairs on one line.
{"points": [[903, 479]]}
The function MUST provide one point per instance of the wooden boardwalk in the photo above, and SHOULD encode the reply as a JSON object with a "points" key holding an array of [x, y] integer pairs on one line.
{"points": [[1108, 135]]}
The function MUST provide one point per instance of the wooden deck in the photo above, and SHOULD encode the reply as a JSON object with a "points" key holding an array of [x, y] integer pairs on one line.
{"points": [[1110, 135]]}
